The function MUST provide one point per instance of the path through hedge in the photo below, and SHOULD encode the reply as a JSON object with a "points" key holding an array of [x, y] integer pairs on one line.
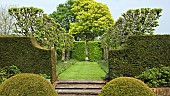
{"points": [[83, 71]]}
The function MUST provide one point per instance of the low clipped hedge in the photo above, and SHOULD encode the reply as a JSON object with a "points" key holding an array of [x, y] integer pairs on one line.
{"points": [[126, 86], [27, 84], [27, 55], [139, 53]]}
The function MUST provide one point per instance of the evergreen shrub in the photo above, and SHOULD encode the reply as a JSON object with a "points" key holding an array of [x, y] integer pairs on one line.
{"points": [[78, 51], [27, 55], [95, 51], [7, 72], [27, 84], [156, 77], [126, 86], [140, 53]]}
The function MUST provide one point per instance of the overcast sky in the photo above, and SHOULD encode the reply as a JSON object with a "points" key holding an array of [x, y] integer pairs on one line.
{"points": [[117, 7]]}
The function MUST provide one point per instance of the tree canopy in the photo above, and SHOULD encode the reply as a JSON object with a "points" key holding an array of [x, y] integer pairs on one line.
{"points": [[64, 15], [26, 18], [133, 22], [6, 21], [92, 19], [31, 21], [49, 33]]}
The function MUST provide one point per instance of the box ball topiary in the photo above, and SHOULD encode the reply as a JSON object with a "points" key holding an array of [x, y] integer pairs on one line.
{"points": [[126, 86], [27, 84]]}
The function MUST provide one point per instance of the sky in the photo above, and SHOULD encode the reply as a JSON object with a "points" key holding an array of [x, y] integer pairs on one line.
{"points": [[116, 7]]}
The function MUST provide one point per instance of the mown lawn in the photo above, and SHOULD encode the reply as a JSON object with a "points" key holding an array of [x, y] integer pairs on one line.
{"points": [[83, 71]]}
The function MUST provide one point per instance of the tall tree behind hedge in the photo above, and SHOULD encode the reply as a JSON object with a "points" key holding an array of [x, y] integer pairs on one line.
{"points": [[69, 39], [49, 33], [133, 22], [92, 20], [26, 19], [6, 21], [64, 15], [33, 22]]}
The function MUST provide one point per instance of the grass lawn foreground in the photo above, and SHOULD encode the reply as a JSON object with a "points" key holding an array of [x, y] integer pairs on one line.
{"points": [[83, 71]]}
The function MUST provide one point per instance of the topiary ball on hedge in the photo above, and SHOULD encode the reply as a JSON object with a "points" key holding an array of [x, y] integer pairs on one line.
{"points": [[27, 84], [126, 86]]}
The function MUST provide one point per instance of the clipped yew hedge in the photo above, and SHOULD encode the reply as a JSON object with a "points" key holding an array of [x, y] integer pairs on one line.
{"points": [[27, 85], [78, 51], [94, 50], [27, 55], [139, 53]]}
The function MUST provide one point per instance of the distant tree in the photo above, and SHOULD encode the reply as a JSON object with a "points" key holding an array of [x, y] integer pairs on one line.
{"points": [[68, 45], [6, 21], [49, 33], [64, 15], [69, 39], [26, 19], [92, 20], [33, 22], [137, 22], [133, 22]]}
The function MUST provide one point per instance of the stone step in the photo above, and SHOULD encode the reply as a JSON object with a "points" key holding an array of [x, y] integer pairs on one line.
{"points": [[76, 95], [79, 88], [80, 82], [79, 91]]}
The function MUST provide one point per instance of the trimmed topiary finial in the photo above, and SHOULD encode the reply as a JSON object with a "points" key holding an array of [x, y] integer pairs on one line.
{"points": [[126, 86], [27, 84]]}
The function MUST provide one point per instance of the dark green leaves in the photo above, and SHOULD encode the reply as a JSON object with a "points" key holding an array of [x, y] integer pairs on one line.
{"points": [[134, 22]]}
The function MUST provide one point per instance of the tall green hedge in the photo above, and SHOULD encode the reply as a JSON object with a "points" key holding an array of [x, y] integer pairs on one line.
{"points": [[27, 55], [94, 50], [139, 53], [78, 51]]}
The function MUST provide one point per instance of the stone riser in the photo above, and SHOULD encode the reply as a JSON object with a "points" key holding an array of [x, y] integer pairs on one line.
{"points": [[79, 88]]}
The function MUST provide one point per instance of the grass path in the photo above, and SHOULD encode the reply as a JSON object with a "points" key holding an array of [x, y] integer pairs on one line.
{"points": [[83, 71]]}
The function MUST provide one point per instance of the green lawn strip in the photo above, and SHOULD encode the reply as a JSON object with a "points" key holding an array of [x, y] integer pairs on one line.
{"points": [[62, 66], [83, 71]]}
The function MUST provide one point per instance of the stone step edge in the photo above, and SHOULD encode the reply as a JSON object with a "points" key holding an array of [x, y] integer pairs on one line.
{"points": [[78, 91], [77, 88], [79, 82]]}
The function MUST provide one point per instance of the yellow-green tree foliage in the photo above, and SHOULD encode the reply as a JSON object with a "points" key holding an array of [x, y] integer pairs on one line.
{"points": [[92, 19]]}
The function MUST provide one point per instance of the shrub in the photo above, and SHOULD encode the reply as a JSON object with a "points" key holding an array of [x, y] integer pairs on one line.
{"points": [[94, 52], [156, 77], [27, 85], [78, 51], [139, 53], [126, 86], [45, 76], [27, 55], [8, 71]]}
